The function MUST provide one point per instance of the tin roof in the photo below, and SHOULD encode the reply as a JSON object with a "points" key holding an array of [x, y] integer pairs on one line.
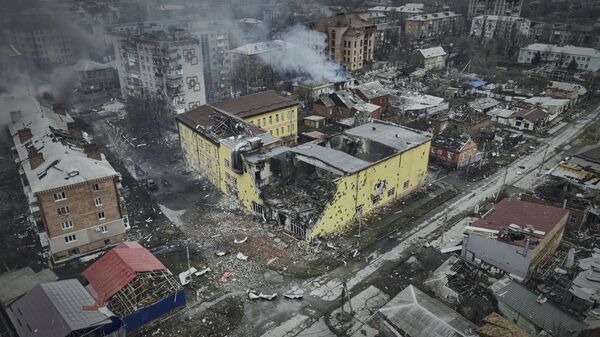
{"points": [[17, 283], [117, 268], [56, 309], [255, 104]]}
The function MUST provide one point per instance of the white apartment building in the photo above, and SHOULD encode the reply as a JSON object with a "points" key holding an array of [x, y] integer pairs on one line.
{"points": [[588, 59], [165, 62], [494, 26]]}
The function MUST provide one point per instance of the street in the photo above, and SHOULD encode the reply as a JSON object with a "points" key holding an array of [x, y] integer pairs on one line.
{"points": [[328, 288]]}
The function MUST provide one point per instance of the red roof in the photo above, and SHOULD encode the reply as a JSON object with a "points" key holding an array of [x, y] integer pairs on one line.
{"points": [[117, 268], [512, 211]]}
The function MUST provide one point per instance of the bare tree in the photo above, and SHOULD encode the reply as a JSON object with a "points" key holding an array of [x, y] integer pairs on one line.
{"points": [[145, 114]]}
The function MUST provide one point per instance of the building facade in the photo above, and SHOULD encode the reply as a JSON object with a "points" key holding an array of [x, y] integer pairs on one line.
{"points": [[587, 59], [495, 7], [166, 63], [93, 76], [434, 25], [73, 192], [214, 44], [350, 39], [311, 190], [563, 34], [494, 26], [432, 58], [454, 151]]}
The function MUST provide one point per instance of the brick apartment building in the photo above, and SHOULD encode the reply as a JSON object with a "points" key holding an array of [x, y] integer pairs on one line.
{"points": [[350, 39], [434, 25], [73, 191]]}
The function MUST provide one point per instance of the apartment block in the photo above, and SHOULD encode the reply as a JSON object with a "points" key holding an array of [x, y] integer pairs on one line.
{"points": [[350, 39], [73, 192], [563, 34], [587, 59], [495, 7], [165, 62], [434, 25], [501, 27]]}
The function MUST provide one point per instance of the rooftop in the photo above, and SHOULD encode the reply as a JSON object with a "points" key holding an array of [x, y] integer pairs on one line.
{"points": [[455, 144], [532, 114], [495, 325], [483, 103], [372, 89], [89, 65], [255, 104], [334, 160], [547, 101], [433, 16], [117, 268], [544, 315], [527, 216], [420, 101], [17, 283], [262, 47], [579, 89], [418, 315], [566, 49], [432, 52], [397, 137], [65, 162], [500, 18], [56, 309]]}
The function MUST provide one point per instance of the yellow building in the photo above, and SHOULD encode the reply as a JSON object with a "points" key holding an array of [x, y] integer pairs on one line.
{"points": [[311, 190], [267, 110]]}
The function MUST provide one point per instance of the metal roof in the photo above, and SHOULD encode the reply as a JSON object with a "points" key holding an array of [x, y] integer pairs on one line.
{"points": [[432, 52], [566, 49], [117, 268], [55, 310], [394, 136], [544, 315], [17, 283], [255, 104], [333, 158], [418, 315]]}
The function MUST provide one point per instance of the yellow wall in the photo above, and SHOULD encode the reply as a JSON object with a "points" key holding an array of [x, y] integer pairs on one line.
{"points": [[201, 154], [359, 189], [280, 123]]}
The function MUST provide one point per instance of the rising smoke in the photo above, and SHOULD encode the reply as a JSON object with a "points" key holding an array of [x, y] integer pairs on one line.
{"points": [[306, 59]]}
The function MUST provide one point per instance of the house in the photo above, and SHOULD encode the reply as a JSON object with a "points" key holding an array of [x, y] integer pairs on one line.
{"points": [[582, 169], [420, 105], [308, 92], [315, 121], [495, 325], [522, 306], [134, 285], [500, 115], [584, 291], [553, 106], [412, 313], [432, 58], [516, 236], [532, 119], [484, 105], [273, 113], [375, 93], [470, 120], [73, 192], [571, 91], [586, 59], [303, 187], [455, 152], [345, 104], [60, 309]]}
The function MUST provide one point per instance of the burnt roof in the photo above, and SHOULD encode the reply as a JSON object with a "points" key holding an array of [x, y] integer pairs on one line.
{"points": [[215, 124], [454, 144], [255, 104]]}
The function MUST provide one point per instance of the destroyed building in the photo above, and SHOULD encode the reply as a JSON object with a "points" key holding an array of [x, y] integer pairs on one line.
{"points": [[455, 152], [74, 193], [375, 93], [314, 189], [134, 285], [582, 169], [515, 236], [347, 108]]}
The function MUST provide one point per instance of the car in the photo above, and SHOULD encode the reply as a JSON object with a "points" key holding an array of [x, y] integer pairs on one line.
{"points": [[521, 167], [151, 185]]}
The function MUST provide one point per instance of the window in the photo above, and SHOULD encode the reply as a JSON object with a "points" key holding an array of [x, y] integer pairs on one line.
{"points": [[270, 120], [227, 164], [264, 121], [258, 122], [101, 215], [358, 210], [277, 132], [60, 196], [277, 118], [98, 202], [95, 188], [63, 210], [391, 192], [103, 229], [107, 242], [376, 199], [572, 219], [406, 183], [67, 224], [282, 130], [70, 238]]}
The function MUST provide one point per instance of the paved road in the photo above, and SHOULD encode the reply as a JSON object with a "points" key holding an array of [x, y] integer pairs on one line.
{"points": [[329, 289]]}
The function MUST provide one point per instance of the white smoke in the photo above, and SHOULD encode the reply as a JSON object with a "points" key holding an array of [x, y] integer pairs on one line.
{"points": [[306, 60]]}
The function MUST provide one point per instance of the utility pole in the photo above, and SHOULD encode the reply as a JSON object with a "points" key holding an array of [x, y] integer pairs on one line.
{"points": [[187, 250], [503, 183], [543, 159]]}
